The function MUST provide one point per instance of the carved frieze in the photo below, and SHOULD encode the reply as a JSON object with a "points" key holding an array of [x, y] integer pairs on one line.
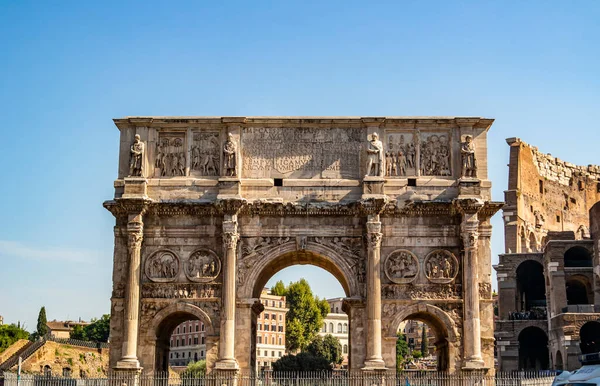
{"points": [[204, 155], [435, 152], [349, 248], [181, 291], [485, 291], [401, 266], [202, 266], [252, 249], [162, 266], [170, 159], [306, 152], [422, 292], [401, 155], [441, 266]]}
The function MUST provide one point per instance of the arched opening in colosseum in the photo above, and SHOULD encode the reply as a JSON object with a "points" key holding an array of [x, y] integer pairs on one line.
{"points": [[577, 257], [533, 244], [533, 349], [531, 286], [589, 337], [579, 290], [558, 361], [268, 328]]}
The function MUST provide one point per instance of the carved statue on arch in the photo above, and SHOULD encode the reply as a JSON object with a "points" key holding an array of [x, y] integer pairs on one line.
{"points": [[136, 158], [375, 161], [229, 152], [469, 162]]}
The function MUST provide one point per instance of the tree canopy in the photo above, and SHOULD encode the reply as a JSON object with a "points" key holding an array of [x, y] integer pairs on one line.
{"points": [[305, 316], [9, 334], [401, 351], [97, 331], [328, 347], [42, 327], [305, 361]]}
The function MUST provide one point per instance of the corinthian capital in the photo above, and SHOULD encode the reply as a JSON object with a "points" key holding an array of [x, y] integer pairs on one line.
{"points": [[230, 240], [374, 239]]}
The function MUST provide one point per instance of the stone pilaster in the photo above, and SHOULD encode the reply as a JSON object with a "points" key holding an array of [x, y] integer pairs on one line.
{"points": [[231, 236], [374, 360], [135, 234], [469, 230]]}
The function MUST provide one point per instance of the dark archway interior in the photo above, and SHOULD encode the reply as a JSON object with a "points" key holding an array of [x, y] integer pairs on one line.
{"points": [[577, 291], [299, 258], [558, 361], [531, 285], [589, 337], [578, 257], [533, 349], [442, 349], [163, 337]]}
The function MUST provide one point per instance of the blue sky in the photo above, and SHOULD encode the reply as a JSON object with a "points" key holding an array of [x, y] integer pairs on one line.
{"points": [[67, 68]]}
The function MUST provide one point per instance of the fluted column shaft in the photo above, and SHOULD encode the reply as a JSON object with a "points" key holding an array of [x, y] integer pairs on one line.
{"points": [[227, 339], [135, 235], [472, 323], [374, 359]]}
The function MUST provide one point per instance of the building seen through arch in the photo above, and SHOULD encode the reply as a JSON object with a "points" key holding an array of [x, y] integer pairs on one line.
{"points": [[548, 293]]}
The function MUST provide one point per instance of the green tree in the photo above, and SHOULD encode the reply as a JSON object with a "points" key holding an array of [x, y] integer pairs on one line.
{"points": [[9, 334], [323, 306], [424, 342], [417, 354], [328, 347], [78, 333], [303, 361], [98, 330], [401, 351], [278, 289], [42, 327], [195, 369], [304, 312]]}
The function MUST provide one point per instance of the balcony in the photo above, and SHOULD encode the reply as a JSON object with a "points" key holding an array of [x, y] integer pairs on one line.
{"points": [[581, 309]]}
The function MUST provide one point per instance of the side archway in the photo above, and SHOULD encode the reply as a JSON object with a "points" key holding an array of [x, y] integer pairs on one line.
{"points": [[533, 349], [161, 327], [439, 321]]}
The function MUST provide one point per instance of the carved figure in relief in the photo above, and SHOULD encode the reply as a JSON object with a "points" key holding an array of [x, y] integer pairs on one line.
{"points": [[469, 163], [389, 163], [435, 156], [441, 266], [170, 158], [229, 151], [375, 157], [401, 160], [162, 266], [202, 265], [401, 266], [136, 158]]}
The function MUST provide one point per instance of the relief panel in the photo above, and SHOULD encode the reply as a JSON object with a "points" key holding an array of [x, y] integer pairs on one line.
{"points": [[441, 267], [301, 152], [401, 154], [170, 159], [204, 154], [436, 150], [401, 266], [162, 266], [202, 266]]}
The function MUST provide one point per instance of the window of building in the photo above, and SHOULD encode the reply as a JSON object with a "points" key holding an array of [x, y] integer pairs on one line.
{"points": [[280, 317], [272, 340], [541, 186], [178, 330], [280, 328], [195, 357], [202, 327], [279, 354], [280, 306], [273, 354], [266, 316], [274, 317], [345, 328], [260, 339], [202, 340], [202, 353], [195, 340], [197, 327], [337, 310], [557, 218], [345, 349], [260, 327], [189, 341], [331, 328], [266, 354], [189, 354], [184, 329], [339, 329], [171, 355], [266, 327], [324, 327], [280, 341], [171, 343]]}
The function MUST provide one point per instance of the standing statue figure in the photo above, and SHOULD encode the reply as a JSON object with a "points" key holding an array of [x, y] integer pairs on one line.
{"points": [[229, 150], [469, 163], [137, 154], [375, 165]]}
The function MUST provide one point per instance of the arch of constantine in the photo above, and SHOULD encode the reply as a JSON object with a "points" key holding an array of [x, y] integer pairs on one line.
{"points": [[208, 209]]}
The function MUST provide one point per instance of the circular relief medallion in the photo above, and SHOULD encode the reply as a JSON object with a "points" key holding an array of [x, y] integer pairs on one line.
{"points": [[202, 266], [401, 266], [441, 266], [162, 266]]}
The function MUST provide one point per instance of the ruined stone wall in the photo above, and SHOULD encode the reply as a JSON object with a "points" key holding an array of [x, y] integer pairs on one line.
{"points": [[546, 194], [82, 361]]}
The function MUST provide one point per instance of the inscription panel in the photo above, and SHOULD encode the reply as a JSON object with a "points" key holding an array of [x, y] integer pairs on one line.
{"points": [[301, 152]]}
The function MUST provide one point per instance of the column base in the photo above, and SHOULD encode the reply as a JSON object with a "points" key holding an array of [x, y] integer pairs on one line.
{"points": [[227, 365], [474, 364], [374, 365], [128, 365]]}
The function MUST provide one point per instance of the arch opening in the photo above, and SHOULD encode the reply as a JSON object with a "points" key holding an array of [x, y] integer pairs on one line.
{"points": [[427, 335], [578, 290], [578, 257], [558, 361], [268, 345], [589, 337], [531, 286], [180, 338], [533, 245], [533, 349]]}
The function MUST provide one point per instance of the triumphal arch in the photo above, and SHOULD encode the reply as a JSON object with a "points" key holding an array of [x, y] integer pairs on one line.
{"points": [[208, 208]]}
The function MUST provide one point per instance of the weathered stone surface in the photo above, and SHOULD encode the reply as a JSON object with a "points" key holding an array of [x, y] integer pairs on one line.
{"points": [[230, 201]]}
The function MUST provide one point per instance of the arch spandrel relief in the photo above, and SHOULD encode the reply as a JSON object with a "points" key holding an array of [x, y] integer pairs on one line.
{"points": [[162, 266], [401, 266], [441, 266], [203, 265]]}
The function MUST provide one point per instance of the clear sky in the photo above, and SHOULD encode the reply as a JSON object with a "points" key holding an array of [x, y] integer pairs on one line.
{"points": [[67, 68]]}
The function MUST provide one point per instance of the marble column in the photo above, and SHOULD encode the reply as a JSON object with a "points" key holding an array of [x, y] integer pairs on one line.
{"points": [[471, 318], [231, 236], [135, 234], [374, 360]]}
